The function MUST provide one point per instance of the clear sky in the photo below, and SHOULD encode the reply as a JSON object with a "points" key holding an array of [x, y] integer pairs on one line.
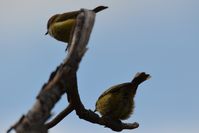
{"points": [[160, 37]]}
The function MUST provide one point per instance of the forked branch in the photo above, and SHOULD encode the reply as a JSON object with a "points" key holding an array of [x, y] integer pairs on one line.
{"points": [[64, 80]]}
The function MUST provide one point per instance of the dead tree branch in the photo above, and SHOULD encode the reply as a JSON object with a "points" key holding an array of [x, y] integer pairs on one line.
{"points": [[64, 80]]}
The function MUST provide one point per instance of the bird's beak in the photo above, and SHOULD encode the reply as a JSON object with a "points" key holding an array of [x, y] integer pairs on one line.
{"points": [[46, 33]]}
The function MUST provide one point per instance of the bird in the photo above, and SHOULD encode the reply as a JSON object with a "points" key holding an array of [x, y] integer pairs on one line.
{"points": [[61, 26], [117, 102]]}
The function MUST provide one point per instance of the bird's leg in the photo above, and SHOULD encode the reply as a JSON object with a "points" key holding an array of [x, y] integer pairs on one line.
{"points": [[67, 47]]}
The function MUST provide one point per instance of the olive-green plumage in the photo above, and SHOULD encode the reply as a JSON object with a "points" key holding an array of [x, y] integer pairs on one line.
{"points": [[60, 26], [117, 102]]}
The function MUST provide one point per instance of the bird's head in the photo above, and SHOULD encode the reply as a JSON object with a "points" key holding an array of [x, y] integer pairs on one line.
{"points": [[50, 22]]}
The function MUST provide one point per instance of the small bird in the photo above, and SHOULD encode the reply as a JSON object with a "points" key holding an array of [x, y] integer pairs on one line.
{"points": [[61, 26], [117, 102]]}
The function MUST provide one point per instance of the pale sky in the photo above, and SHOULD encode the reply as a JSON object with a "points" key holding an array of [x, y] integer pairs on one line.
{"points": [[160, 37]]}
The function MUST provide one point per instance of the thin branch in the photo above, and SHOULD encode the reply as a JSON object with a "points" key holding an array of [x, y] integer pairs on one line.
{"points": [[60, 116]]}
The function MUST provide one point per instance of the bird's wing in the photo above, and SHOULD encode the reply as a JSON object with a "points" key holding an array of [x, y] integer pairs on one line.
{"points": [[115, 88], [67, 15]]}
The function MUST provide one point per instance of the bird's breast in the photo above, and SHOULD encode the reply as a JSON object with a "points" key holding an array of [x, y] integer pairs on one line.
{"points": [[62, 30]]}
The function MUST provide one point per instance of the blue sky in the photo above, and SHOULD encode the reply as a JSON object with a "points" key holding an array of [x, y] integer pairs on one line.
{"points": [[159, 37]]}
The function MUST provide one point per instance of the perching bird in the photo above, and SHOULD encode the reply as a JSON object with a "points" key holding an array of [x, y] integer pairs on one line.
{"points": [[117, 102], [61, 26]]}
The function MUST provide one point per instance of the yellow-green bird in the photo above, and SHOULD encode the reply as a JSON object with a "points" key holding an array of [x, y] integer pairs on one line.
{"points": [[61, 26], [117, 102]]}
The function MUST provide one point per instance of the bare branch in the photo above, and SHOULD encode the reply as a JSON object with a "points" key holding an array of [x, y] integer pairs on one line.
{"points": [[64, 80], [52, 91], [60, 116]]}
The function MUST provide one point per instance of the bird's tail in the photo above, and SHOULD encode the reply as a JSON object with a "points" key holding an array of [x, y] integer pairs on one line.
{"points": [[140, 77], [99, 8]]}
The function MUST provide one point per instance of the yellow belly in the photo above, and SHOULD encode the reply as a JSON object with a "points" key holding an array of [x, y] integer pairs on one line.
{"points": [[62, 30], [115, 106]]}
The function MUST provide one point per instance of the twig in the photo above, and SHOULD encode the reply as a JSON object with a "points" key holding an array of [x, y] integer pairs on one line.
{"points": [[60, 117]]}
